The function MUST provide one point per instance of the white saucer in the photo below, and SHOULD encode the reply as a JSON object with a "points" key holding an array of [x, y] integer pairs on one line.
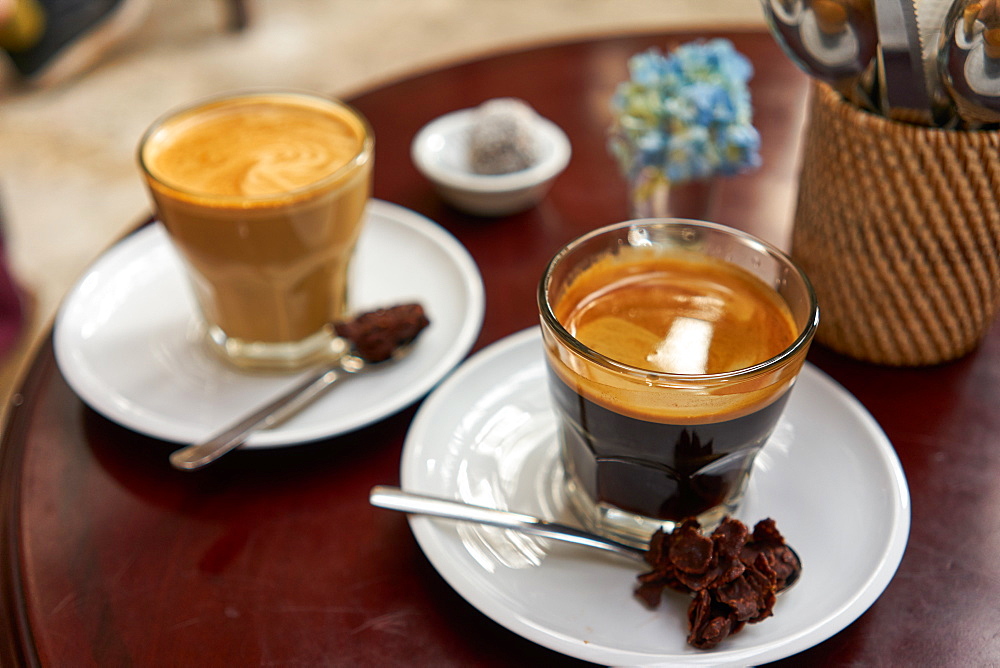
{"points": [[126, 337], [829, 477]]}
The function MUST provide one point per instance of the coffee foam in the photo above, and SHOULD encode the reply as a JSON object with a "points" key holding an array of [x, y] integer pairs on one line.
{"points": [[263, 146]]}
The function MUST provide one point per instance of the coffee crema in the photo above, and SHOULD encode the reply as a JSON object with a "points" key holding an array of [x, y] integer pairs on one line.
{"points": [[672, 313], [676, 314]]}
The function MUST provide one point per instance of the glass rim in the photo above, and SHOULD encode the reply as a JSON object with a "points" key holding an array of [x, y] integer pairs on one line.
{"points": [[363, 156], [663, 377]]}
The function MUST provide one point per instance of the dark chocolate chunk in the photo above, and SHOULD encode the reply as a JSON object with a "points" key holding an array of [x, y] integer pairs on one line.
{"points": [[734, 576], [376, 335]]}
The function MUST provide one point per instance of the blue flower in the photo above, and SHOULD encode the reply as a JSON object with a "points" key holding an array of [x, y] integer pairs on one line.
{"points": [[687, 114]]}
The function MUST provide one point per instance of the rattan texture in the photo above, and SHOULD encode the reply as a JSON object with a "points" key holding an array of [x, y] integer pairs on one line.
{"points": [[898, 227]]}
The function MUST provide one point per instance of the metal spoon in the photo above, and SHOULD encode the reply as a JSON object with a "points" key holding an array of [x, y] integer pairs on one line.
{"points": [[276, 411], [931, 15], [394, 498], [902, 82], [969, 60], [831, 40]]}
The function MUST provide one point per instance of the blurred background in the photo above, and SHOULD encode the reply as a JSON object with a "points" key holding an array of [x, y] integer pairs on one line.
{"points": [[68, 180]]}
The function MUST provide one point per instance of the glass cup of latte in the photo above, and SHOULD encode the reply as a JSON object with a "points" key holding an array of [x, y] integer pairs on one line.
{"points": [[264, 194], [672, 346]]}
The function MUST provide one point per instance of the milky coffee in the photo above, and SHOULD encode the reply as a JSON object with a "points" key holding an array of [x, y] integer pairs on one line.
{"points": [[264, 194]]}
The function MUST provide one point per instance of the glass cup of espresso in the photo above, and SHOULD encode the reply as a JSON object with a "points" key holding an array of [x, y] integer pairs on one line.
{"points": [[671, 346], [264, 194]]}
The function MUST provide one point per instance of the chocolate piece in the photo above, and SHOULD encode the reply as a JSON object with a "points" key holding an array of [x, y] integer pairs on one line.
{"points": [[501, 139], [689, 551], [709, 625], [770, 544], [735, 577], [376, 335]]}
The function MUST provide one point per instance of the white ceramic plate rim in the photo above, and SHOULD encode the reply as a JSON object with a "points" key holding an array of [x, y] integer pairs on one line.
{"points": [[433, 441], [139, 361]]}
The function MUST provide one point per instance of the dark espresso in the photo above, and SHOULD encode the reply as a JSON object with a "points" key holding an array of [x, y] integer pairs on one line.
{"points": [[645, 444], [663, 471]]}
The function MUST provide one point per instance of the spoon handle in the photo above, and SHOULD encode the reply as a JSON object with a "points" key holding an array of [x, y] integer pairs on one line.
{"points": [[903, 86], [394, 498], [274, 412]]}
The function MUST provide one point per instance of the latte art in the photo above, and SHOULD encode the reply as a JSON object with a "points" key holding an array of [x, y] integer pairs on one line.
{"points": [[284, 166], [266, 148]]}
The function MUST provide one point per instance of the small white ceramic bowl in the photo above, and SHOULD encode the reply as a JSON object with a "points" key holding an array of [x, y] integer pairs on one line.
{"points": [[440, 151]]}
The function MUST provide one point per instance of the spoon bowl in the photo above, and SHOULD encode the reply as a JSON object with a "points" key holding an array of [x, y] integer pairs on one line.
{"points": [[831, 40], [969, 61]]}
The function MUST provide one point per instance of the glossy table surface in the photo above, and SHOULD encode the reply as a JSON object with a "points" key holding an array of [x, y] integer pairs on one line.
{"points": [[110, 557]]}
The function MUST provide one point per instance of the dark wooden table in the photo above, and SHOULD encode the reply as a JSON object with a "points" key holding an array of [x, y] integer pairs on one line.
{"points": [[110, 557]]}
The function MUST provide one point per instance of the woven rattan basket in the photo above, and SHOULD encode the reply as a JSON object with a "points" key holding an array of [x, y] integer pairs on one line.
{"points": [[898, 226]]}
